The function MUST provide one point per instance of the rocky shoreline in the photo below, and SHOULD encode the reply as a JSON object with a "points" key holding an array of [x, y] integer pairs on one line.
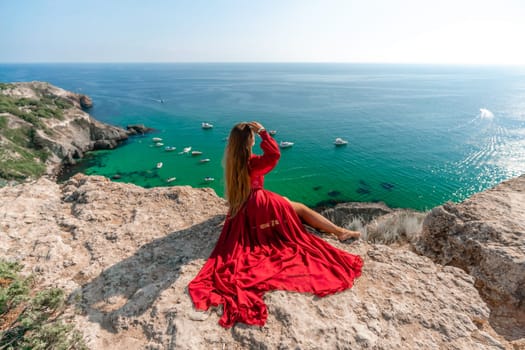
{"points": [[453, 278], [53, 122]]}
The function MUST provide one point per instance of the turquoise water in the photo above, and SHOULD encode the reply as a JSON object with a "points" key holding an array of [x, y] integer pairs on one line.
{"points": [[418, 135]]}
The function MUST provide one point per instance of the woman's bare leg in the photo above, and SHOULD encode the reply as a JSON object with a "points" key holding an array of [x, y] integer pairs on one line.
{"points": [[319, 222]]}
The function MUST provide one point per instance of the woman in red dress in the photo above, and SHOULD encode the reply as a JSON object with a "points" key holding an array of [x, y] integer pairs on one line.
{"points": [[263, 245]]}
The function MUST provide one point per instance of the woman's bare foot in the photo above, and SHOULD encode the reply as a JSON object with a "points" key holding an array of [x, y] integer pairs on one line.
{"points": [[345, 234]]}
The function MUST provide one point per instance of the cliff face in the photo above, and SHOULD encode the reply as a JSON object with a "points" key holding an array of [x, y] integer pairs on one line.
{"points": [[43, 126], [126, 254], [485, 236]]}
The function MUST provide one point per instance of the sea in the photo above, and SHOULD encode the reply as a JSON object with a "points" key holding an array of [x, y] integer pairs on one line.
{"points": [[418, 135]]}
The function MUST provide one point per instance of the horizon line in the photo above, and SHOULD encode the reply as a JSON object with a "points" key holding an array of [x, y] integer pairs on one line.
{"points": [[268, 62]]}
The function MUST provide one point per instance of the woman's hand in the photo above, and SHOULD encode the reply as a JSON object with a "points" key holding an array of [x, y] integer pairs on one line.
{"points": [[256, 126]]}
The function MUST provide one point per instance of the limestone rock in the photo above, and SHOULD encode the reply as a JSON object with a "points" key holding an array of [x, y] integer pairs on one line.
{"points": [[485, 236], [138, 129], [85, 101], [125, 255]]}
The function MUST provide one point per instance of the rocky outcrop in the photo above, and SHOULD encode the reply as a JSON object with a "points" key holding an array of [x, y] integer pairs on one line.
{"points": [[125, 255], [85, 101], [58, 124], [485, 236], [138, 129]]}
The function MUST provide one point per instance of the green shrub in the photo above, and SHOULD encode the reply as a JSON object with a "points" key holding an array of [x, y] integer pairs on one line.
{"points": [[63, 103], [13, 289], [21, 169], [44, 108], [33, 322]]}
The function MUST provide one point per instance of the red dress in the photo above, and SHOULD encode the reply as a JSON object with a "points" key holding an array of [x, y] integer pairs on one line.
{"points": [[265, 247]]}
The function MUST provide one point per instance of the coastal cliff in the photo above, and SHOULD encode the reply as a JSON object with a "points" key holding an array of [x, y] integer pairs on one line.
{"points": [[43, 127], [125, 254]]}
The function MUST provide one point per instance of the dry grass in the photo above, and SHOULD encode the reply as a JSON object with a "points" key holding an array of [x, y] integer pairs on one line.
{"points": [[397, 227]]}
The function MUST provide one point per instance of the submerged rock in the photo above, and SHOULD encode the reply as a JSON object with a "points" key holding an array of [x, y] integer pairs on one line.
{"points": [[387, 186], [363, 190], [334, 193]]}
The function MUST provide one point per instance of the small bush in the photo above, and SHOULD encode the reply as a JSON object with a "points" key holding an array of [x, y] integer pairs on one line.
{"points": [[63, 103], [32, 322], [404, 226], [13, 289], [4, 86], [357, 225]]}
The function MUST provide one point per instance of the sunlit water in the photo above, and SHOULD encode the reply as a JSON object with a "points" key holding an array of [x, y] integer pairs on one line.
{"points": [[418, 135]]}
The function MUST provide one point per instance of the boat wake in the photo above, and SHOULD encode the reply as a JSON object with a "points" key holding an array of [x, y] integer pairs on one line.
{"points": [[485, 114]]}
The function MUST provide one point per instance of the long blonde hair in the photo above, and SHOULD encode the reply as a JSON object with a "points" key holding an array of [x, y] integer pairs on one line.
{"points": [[236, 172]]}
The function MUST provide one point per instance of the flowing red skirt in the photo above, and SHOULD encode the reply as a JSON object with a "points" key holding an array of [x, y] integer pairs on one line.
{"points": [[266, 247]]}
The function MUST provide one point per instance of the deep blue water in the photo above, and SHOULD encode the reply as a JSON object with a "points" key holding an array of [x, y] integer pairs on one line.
{"points": [[418, 135]]}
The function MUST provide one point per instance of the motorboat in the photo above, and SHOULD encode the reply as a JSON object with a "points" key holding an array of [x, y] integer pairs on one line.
{"points": [[171, 179], [272, 132], [159, 144], [206, 125], [205, 160], [209, 179], [196, 153], [285, 144], [156, 139], [159, 165], [170, 148], [340, 142], [185, 150]]}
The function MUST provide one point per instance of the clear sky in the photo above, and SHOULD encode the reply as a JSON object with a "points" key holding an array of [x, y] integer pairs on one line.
{"points": [[400, 31]]}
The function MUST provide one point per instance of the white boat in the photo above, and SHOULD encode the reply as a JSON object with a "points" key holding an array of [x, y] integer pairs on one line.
{"points": [[159, 144], [185, 150], [159, 165], [340, 142], [209, 179], [170, 148], [272, 132], [206, 125], [156, 139], [196, 153], [285, 144], [205, 160], [171, 179]]}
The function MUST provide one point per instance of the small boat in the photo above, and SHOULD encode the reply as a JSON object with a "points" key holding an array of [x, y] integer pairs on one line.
{"points": [[196, 153], [205, 160], [206, 125], [171, 179], [159, 165], [159, 144], [285, 144], [156, 139], [170, 148], [272, 132], [209, 179], [185, 150], [340, 142]]}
